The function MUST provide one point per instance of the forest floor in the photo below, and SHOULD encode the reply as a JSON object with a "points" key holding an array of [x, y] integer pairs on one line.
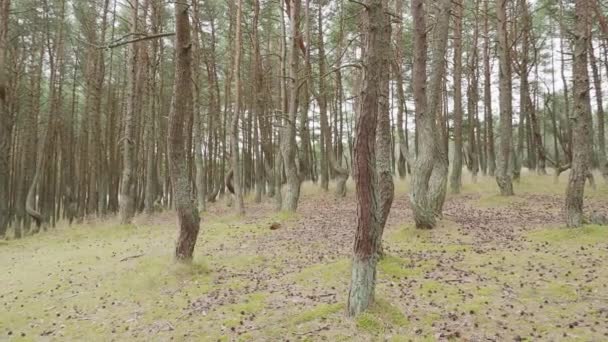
{"points": [[495, 269]]}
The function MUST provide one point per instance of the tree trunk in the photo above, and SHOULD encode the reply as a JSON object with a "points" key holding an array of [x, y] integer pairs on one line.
{"points": [[581, 119], [371, 199], [398, 71], [456, 177], [503, 173], [5, 120], [288, 136], [601, 139], [384, 148], [430, 172], [181, 109], [234, 127], [487, 95], [127, 188], [472, 97]]}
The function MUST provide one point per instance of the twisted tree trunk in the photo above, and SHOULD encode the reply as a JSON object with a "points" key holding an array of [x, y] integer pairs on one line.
{"points": [[429, 180], [369, 207]]}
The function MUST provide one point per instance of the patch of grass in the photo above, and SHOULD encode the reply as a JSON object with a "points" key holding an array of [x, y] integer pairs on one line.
{"points": [[253, 303], [325, 274], [444, 237], [439, 291], [396, 267], [589, 234], [389, 313], [554, 291], [283, 216], [239, 262], [369, 323], [380, 317], [320, 311]]}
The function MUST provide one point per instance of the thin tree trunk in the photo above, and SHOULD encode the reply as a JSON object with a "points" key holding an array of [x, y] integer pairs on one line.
{"points": [[234, 127], [472, 98], [456, 177], [601, 139], [487, 95], [6, 121]]}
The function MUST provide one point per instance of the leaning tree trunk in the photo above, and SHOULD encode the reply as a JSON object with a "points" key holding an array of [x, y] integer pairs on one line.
{"points": [[181, 110], [503, 173], [581, 117], [365, 258]]}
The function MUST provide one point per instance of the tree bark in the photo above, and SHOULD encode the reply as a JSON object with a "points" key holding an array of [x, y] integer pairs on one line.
{"points": [[5, 120], [181, 109], [429, 179], [234, 127], [127, 187], [503, 173], [487, 95], [601, 139], [581, 118], [288, 136], [456, 177], [369, 206]]}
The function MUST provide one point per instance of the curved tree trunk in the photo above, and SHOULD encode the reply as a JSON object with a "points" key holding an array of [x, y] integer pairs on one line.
{"points": [[369, 206], [439, 176], [429, 180]]}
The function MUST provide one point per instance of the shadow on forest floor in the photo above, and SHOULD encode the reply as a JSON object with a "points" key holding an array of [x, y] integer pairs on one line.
{"points": [[495, 268]]}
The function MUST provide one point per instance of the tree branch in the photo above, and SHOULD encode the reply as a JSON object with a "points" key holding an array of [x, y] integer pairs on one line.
{"points": [[154, 36]]}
